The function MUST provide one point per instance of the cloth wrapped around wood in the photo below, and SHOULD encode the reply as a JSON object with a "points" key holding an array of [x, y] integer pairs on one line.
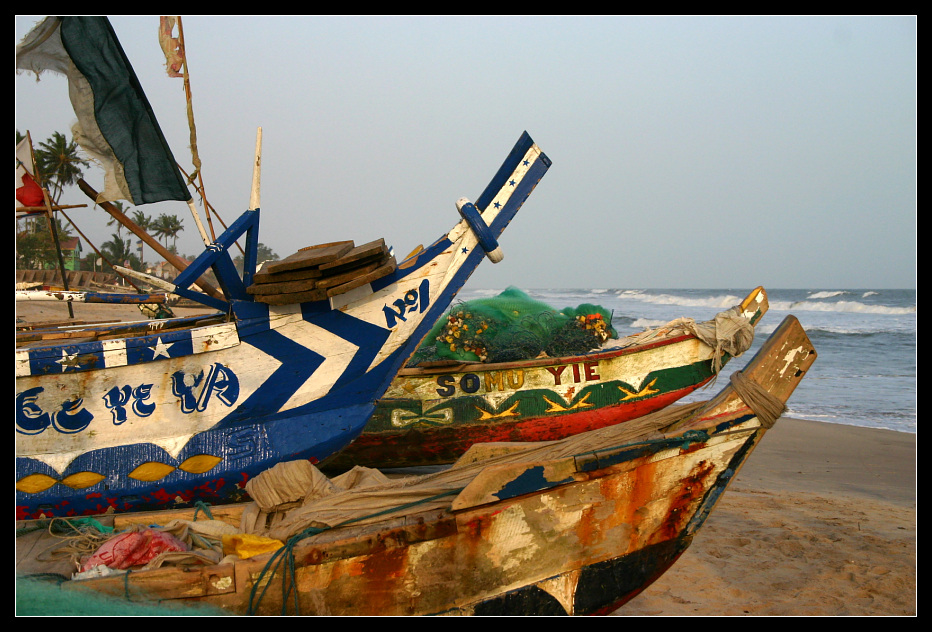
{"points": [[729, 332]]}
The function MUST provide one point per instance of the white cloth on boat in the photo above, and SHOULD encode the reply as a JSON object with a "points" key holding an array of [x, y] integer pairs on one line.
{"points": [[374, 497], [729, 332]]}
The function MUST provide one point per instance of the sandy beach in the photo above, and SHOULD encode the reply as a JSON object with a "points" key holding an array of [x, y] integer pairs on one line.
{"points": [[820, 522]]}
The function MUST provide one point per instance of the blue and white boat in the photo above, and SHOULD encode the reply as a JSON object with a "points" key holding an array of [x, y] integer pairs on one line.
{"points": [[169, 412], [185, 412]]}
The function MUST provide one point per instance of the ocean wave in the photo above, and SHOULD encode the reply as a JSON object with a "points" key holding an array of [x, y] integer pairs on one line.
{"points": [[722, 301], [851, 307], [858, 331], [648, 323], [827, 294]]}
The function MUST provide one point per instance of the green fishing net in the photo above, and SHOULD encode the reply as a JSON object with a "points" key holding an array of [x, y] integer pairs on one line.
{"points": [[513, 326], [44, 596]]}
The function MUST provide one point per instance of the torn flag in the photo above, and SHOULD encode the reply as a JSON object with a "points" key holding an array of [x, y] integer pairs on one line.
{"points": [[171, 46], [28, 192], [116, 125]]}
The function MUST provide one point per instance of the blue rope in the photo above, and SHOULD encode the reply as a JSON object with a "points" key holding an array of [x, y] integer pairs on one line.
{"points": [[202, 506]]}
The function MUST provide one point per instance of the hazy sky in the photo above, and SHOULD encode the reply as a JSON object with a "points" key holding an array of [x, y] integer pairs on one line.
{"points": [[688, 152]]}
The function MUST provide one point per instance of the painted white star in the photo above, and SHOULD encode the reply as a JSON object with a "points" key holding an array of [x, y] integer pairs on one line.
{"points": [[160, 349], [67, 360]]}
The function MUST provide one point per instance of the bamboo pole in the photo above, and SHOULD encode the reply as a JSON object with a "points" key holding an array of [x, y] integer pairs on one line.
{"points": [[148, 239], [254, 197], [195, 157], [51, 220], [61, 260]]}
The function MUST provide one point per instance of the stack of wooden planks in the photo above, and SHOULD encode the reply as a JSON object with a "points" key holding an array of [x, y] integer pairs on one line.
{"points": [[319, 272]]}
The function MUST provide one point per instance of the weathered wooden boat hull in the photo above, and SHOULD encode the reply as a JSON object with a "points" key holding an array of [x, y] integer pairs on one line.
{"points": [[432, 416], [179, 415], [579, 532]]}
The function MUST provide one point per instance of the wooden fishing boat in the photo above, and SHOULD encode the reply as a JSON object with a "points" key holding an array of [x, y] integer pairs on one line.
{"points": [[135, 416], [188, 410], [576, 526], [432, 415]]}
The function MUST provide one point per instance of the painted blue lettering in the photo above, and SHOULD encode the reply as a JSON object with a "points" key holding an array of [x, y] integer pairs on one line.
{"points": [[194, 391], [140, 394], [414, 300], [30, 419], [470, 383], [424, 293], [116, 399], [446, 384], [72, 417], [241, 443], [226, 385]]}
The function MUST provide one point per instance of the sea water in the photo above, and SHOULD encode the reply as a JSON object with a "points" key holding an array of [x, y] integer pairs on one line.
{"points": [[865, 374]]}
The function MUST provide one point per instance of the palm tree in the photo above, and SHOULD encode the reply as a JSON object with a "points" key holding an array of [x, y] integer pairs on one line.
{"points": [[144, 222], [58, 164], [120, 252], [168, 226], [36, 247], [113, 220]]}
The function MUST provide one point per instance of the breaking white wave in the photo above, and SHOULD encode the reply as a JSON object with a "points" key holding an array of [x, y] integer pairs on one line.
{"points": [[851, 307], [722, 301], [648, 323], [827, 294]]}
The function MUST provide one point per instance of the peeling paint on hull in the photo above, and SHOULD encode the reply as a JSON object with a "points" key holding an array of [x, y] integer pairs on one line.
{"points": [[601, 588]]}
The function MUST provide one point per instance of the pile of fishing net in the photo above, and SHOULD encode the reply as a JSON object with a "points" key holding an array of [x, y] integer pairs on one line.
{"points": [[513, 326]]}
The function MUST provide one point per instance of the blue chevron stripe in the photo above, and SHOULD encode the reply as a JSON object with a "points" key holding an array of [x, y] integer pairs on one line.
{"points": [[299, 363], [369, 338]]}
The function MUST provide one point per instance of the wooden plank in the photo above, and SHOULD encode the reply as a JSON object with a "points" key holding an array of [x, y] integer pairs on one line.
{"points": [[498, 482], [366, 253], [378, 273], [231, 514], [294, 297], [49, 324], [294, 275], [32, 336], [164, 583], [347, 276], [312, 256], [302, 285], [777, 367]]}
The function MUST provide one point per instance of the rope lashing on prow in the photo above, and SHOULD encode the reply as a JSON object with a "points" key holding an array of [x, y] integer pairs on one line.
{"points": [[766, 406]]}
